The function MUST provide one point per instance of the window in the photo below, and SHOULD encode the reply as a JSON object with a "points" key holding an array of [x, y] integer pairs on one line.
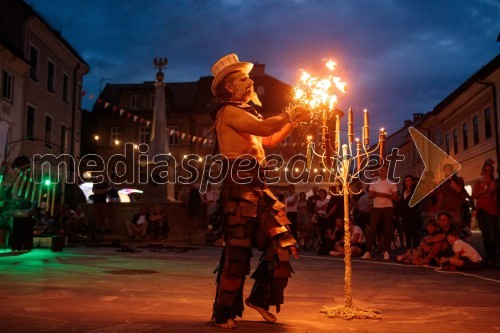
{"points": [[487, 123], [144, 134], [152, 101], [30, 123], [447, 143], [134, 101], [173, 136], [48, 132], [34, 63], [475, 129], [65, 88], [116, 136], [64, 144], [51, 73], [7, 84], [455, 141], [465, 136]]}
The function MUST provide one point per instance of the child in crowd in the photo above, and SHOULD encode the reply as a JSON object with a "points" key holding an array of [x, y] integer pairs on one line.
{"points": [[465, 257]]}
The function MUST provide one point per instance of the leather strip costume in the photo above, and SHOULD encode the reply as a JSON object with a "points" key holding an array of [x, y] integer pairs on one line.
{"points": [[252, 217]]}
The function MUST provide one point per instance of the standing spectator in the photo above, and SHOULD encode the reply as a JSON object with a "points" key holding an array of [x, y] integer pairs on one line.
{"points": [[320, 212], [363, 210], [486, 212], [138, 226], [427, 191], [335, 206], [383, 194], [451, 196], [409, 215], [311, 202], [101, 214], [302, 217], [194, 204], [291, 209], [210, 199]]}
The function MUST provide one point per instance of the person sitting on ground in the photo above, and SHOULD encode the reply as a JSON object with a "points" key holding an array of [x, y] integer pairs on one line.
{"points": [[423, 249], [158, 226], [331, 237], [465, 256], [358, 242], [439, 246], [139, 224]]}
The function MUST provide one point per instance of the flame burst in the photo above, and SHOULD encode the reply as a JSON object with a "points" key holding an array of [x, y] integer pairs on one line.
{"points": [[320, 93]]}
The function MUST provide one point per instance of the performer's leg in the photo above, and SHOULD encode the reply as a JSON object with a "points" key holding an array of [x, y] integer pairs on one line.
{"points": [[235, 264]]}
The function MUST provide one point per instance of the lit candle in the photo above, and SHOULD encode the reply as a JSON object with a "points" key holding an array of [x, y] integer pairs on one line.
{"points": [[366, 129], [350, 126], [382, 144], [337, 133], [345, 153], [358, 154]]}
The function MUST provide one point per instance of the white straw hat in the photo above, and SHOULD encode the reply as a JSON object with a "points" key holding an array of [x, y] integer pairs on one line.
{"points": [[228, 64]]}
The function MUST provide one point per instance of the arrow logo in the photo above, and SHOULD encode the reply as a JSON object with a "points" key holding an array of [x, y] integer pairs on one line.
{"points": [[434, 160]]}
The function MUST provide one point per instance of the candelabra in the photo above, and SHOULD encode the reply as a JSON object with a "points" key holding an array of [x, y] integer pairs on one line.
{"points": [[344, 163]]}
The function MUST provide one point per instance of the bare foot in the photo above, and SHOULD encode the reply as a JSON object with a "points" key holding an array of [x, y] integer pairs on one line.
{"points": [[228, 325], [268, 316]]}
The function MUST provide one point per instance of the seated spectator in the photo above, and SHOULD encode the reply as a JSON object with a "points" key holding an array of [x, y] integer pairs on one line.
{"points": [[77, 223], [358, 241], [158, 225], [139, 224], [465, 258], [410, 257], [435, 246], [330, 238]]}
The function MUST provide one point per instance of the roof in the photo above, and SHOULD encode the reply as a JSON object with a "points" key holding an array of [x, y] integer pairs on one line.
{"points": [[481, 74]]}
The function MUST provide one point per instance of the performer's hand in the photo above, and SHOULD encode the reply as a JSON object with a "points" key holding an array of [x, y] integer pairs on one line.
{"points": [[299, 114], [294, 251]]}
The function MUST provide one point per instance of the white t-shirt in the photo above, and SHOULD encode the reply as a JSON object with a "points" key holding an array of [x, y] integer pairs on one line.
{"points": [[141, 220], [357, 230], [321, 203], [383, 186], [466, 250]]}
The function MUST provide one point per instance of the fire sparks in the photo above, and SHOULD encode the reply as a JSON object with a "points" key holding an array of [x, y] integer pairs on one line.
{"points": [[319, 93]]}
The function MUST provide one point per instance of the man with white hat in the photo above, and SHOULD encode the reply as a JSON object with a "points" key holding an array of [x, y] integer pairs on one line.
{"points": [[251, 214]]}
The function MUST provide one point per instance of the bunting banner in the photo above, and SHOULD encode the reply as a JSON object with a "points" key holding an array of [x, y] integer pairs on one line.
{"points": [[172, 132]]}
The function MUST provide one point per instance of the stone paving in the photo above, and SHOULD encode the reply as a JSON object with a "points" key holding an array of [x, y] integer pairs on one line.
{"points": [[94, 289]]}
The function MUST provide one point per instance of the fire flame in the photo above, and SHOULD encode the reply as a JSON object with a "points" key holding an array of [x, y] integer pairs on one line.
{"points": [[318, 93]]}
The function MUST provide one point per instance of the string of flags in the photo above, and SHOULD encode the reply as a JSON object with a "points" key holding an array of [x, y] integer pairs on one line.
{"points": [[173, 132]]}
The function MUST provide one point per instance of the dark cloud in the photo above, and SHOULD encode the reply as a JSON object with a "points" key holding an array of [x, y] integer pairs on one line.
{"points": [[399, 57]]}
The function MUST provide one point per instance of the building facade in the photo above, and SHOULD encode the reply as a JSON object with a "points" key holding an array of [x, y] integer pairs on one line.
{"points": [[465, 125], [40, 104]]}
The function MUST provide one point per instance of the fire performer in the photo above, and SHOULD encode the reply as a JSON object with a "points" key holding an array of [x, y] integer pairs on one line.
{"points": [[251, 215]]}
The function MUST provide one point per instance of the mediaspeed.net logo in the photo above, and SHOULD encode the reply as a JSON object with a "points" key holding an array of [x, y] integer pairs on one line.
{"points": [[135, 166]]}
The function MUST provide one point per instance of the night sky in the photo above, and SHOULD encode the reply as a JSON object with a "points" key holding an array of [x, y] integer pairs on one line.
{"points": [[398, 57]]}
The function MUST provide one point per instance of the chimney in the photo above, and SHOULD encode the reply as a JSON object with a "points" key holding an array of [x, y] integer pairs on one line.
{"points": [[417, 116], [258, 70], [407, 123]]}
